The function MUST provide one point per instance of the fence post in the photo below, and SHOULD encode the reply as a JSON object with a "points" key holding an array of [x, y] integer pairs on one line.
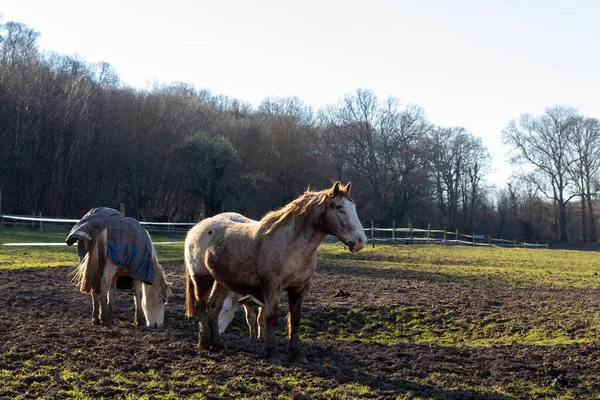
{"points": [[41, 225], [122, 208], [1, 218], [33, 220], [515, 243], [445, 236], [373, 233], [473, 239], [456, 237], [410, 232], [489, 240], [394, 232], [428, 230]]}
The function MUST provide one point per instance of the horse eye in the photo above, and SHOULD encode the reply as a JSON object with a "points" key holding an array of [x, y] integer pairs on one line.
{"points": [[341, 209]]}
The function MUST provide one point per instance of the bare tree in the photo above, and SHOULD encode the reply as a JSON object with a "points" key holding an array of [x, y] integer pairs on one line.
{"points": [[457, 163], [546, 143], [476, 166], [584, 171], [18, 43], [379, 143]]}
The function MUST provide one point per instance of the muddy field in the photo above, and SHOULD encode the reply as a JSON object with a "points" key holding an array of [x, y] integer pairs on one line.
{"points": [[49, 348]]}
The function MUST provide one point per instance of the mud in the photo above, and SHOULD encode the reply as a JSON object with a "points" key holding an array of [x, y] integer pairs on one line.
{"points": [[50, 349]]}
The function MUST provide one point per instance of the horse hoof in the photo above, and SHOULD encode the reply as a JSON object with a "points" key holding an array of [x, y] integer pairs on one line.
{"points": [[298, 358], [95, 321], [204, 339], [204, 345], [273, 356], [274, 360], [218, 347]]}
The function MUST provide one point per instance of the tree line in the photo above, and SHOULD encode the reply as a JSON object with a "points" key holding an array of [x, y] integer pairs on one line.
{"points": [[74, 137]]}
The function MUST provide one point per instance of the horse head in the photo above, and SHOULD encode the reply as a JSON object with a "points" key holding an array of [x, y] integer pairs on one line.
{"points": [[340, 218], [155, 297]]}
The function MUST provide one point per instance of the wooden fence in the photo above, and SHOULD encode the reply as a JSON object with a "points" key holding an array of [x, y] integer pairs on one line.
{"points": [[409, 235], [394, 235]]}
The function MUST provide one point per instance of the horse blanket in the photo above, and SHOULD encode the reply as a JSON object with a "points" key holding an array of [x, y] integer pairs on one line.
{"points": [[129, 245]]}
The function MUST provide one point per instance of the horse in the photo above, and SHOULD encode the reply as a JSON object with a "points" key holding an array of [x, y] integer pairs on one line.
{"points": [[265, 258], [112, 246], [253, 307]]}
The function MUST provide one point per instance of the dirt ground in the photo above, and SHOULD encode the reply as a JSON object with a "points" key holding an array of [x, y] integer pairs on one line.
{"points": [[50, 349]]}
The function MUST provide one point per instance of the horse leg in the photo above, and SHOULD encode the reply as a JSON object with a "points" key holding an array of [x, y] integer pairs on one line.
{"points": [[271, 310], [251, 319], [95, 309], [295, 300], [202, 288], [112, 294], [262, 323], [215, 302], [137, 296], [106, 283]]}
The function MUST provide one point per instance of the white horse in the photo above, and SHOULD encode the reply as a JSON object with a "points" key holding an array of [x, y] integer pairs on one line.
{"points": [[255, 317], [264, 258]]}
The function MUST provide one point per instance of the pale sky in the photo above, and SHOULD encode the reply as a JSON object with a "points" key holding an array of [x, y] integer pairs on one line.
{"points": [[476, 64]]}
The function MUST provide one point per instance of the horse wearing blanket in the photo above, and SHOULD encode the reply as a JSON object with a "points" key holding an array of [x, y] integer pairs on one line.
{"points": [[264, 258], [110, 245]]}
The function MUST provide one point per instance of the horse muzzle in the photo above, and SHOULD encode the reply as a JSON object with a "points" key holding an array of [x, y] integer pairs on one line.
{"points": [[356, 245]]}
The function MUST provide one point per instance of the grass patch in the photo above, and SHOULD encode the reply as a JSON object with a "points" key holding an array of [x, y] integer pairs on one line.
{"points": [[532, 391], [13, 257], [494, 297], [467, 321], [36, 256], [516, 267]]}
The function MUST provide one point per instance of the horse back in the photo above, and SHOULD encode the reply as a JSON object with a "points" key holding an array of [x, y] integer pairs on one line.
{"points": [[226, 247]]}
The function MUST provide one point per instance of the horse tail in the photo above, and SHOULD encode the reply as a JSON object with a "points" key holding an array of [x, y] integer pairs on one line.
{"points": [[79, 275], [89, 273], [190, 293]]}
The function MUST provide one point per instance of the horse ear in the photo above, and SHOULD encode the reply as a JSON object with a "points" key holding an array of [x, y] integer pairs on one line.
{"points": [[335, 189], [348, 187]]}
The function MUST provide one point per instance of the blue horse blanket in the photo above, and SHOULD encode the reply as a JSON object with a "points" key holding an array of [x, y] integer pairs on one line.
{"points": [[129, 245]]}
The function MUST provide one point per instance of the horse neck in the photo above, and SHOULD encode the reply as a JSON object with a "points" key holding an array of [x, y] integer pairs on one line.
{"points": [[307, 239], [160, 285]]}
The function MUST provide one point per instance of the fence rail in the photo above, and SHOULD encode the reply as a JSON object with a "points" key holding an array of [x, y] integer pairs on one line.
{"points": [[443, 236], [394, 235], [46, 225], [74, 221]]}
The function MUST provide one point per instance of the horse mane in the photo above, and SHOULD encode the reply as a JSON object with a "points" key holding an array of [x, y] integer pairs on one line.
{"points": [[302, 209], [160, 279]]}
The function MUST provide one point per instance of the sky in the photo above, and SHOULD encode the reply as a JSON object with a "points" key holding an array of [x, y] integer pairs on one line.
{"points": [[475, 64]]}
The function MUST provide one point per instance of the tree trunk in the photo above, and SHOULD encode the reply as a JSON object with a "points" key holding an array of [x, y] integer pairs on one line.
{"points": [[593, 234], [583, 219], [562, 216]]}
